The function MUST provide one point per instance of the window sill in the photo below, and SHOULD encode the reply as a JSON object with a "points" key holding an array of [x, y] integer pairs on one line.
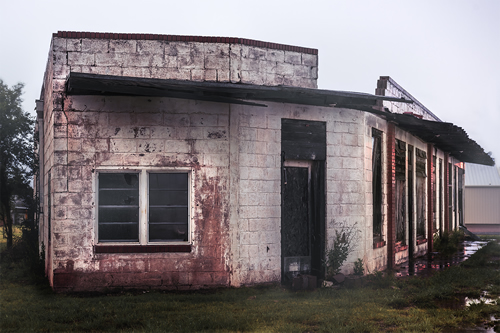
{"points": [[377, 245], [400, 248], [141, 248], [421, 241]]}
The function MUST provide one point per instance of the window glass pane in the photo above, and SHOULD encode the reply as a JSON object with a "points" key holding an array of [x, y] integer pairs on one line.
{"points": [[118, 180], [118, 232], [170, 232], [160, 197], [168, 207], [121, 197], [168, 214], [118, 214], [118, 207], [168, 181]]}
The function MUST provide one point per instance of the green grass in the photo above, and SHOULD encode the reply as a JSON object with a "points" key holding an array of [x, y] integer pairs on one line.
{"points": [[16, 234], [490, 237], [383, 304]]}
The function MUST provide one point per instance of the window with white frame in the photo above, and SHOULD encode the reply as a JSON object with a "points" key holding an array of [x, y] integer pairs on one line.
{"points": [[143, 207]]}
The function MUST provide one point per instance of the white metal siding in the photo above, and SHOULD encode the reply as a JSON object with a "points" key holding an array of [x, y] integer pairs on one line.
{"points": [[482, 205]]}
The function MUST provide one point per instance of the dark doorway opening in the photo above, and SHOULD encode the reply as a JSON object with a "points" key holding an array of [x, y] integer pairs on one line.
{"points": [[302, 198]]}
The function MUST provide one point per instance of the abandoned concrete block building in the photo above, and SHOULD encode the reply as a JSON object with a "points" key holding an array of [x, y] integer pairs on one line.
{"points": [[182, 162]]}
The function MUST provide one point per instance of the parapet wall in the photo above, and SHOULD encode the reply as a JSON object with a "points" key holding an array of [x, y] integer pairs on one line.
{"points": [[214, 59]]}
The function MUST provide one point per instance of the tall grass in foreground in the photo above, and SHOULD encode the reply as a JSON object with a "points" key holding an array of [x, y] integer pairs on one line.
{"points": [[383, 304]]}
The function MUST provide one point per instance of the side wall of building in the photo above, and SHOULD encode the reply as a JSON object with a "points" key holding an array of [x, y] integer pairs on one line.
{"points": [[114, 134]]}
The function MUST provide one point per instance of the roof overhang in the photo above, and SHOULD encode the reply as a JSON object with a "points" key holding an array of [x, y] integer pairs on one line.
{"points": [[445, 136], [95, 84]]}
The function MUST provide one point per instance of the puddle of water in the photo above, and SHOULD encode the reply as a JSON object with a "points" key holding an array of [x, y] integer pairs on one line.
{"points": [[483, 299], [483, 329], [423, 266]]}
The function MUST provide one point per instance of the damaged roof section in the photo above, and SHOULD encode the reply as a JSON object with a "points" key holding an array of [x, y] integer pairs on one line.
{"points": [[445, 136]]}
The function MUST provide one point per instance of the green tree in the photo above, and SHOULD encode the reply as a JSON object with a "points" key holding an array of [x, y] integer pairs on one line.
{"points": [[17, 155]]}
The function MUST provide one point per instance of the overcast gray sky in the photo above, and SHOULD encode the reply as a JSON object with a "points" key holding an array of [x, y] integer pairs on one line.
{"points": [[446, 53]]}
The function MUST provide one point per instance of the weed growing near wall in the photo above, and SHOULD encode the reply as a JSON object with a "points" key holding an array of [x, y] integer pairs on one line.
{"points": [[346, 237]]}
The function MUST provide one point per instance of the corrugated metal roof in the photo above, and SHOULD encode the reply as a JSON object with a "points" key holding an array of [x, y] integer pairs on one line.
{"points": [[445, 136], [481, 175]]}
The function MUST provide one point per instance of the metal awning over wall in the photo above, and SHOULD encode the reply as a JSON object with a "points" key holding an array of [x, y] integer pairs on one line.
{"points": [[92, 84], [445, 136]]}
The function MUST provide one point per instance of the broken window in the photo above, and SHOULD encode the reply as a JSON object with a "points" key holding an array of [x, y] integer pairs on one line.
{"points": [[143, 207], [420, 198], [377, 184], [400, 156]]}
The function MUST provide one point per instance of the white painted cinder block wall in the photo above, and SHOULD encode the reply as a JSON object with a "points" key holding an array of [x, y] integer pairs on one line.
{"points": [[87, 133]]}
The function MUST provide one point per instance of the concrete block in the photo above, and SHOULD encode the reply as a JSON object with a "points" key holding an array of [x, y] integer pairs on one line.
{"points": [[314, 72], [251, 65], [223, 120], [60, 70], [216, 62], [223, 75], [293, 57], [74, 44], [255, 53], [60, 157], [177, 146], [258, 121], [150, 146], [110, 59], [251, 77], [211, 146], [275, 55], [92, 45], [197, 75], [203, 120], [349, 139], [310, 60], [148, 119], [137, 71], [285, 69], [218, 49], [190, 60], [123, 145], [215, 160], [150, 47], [211, 75], [176, 48], [170, 61], [122, 46], [59, 185], [59, 44], [178, 74], [120, 119]]}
